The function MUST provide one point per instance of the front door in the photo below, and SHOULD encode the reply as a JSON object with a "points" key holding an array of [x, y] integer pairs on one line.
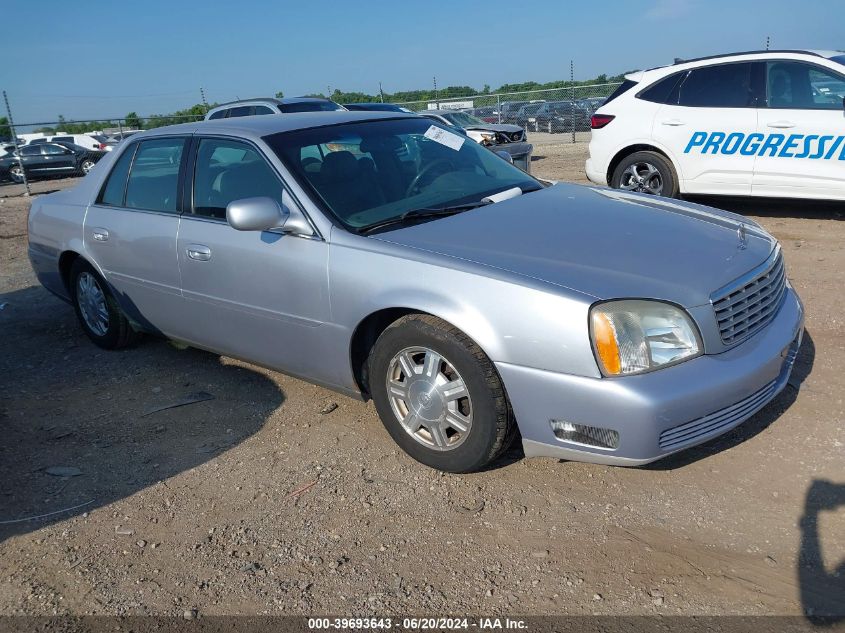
{"points": [[804, 124], [259, 296], [130, 232]]}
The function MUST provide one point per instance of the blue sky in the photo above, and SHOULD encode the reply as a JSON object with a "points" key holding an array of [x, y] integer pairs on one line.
{"points": [[95, 59]]}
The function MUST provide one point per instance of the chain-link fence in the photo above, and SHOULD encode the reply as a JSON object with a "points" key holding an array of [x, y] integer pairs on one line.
{"points": [[552, 111]]}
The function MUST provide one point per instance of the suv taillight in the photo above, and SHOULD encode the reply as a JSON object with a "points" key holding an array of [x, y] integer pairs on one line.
{"points": [[598, 121]]}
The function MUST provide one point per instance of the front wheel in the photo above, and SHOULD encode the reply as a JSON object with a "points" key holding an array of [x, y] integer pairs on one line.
{"points": [[439, 396], [646, 172], [101, 317]]}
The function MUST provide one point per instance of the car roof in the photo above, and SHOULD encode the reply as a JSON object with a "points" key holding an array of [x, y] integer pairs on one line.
{"points": [[263, 125], [684, 64], [274, 100]]}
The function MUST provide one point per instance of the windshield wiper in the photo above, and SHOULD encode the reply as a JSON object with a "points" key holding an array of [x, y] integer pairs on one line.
{"points": [[422, 213]]}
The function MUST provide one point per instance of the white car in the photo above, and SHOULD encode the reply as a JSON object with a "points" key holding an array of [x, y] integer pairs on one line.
{"points": [[767, 123], [87, 141]]}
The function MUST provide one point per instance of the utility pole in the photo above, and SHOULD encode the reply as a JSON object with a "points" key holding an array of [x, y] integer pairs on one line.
{"points": [[204, 102], [768, 41], [436, 94], [572, 107], [380, 92], [15, 141]]}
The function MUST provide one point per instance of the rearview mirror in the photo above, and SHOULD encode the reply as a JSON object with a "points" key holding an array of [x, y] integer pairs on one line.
{"points": [[255, 214], [504, 155]]}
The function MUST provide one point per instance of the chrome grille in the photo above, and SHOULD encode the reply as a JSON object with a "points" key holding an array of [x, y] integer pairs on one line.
{"points": [[749, 305], [714, 423]]}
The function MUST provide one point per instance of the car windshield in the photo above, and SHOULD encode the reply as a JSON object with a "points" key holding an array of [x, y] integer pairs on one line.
{"points": [[309, 106], [462, 119], [368, 172]]}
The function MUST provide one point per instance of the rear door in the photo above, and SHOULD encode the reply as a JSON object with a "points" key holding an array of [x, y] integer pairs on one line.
{"points": [[257, 295], [705, 124], [803, 122], [33, 160], [130, 231]]}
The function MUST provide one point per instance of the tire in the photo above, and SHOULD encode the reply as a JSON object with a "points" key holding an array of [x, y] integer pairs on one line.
{"points": [[85, 166], [481, 408], [103, 322], [16, 173], [656, 175]]}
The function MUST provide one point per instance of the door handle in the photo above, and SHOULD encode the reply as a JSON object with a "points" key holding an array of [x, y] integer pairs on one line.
{"points": [[100, 235], [781, 124], [673, 122], [199, 252]]}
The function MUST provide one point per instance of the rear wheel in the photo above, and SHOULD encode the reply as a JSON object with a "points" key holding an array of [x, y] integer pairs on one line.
{"points": [[86, 165], [646, 172], [16, 173], [439, 396], [101, 317]]}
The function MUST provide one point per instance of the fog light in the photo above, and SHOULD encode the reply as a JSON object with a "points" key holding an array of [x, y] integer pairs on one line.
{"points": [[583, 434]]}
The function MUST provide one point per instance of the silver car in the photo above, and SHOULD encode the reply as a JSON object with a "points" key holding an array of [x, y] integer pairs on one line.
{"points": [[385, 257]]}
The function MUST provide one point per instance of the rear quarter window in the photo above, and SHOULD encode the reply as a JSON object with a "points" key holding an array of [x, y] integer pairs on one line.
{"points": [[112, 193], [662, 90], [624, 87]]}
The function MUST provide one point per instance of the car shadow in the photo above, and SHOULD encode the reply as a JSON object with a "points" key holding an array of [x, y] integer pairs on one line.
{"points": [[84, 427], [822, 591], [775, 207], [757, 423]]}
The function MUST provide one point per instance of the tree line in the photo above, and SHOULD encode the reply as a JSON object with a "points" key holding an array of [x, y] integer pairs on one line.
{"points": [[132, 121]]}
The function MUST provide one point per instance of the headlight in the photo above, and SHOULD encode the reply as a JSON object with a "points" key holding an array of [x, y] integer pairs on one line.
{"points": [[633, 336], [488, 136]]}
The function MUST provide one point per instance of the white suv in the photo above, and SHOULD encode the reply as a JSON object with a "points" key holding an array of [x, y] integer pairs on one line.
{"points": [[768, 123]]}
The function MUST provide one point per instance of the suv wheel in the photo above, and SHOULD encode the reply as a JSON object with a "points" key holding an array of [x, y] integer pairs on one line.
{"points": [[646, 172]]}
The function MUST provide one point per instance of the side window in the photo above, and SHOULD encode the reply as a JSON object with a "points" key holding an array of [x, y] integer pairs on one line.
{"points": [[804, 86], [65, 139], [240, 111], [112, 193], [661, 92], [220, 114], [52, 150], [154, 177], [722, 86], [262, 109], [31, 150], [229, 170]]}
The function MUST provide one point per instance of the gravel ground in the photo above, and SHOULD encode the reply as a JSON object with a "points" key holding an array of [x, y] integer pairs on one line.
{"points": [[267, 495]]}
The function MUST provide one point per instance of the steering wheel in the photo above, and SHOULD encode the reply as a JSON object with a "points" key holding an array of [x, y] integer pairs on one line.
{"points": [[423, 172]]}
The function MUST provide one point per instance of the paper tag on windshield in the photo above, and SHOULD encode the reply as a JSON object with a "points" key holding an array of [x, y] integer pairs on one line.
{"points": [[444, 137]]}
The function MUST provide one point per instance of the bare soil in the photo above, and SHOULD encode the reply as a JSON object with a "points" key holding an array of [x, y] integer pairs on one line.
{"points": [[261, 498]]}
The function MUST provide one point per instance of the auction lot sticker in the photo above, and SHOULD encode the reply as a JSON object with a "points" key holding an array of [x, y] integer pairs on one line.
{"points": [[444, 137]]}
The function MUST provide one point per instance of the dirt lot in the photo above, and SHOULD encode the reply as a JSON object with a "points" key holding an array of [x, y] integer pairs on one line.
{"points": [[260, 501]]}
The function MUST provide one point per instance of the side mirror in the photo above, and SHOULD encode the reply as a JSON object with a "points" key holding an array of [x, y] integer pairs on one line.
{"points": [[265, 214], [505, 156], [255, 214]]}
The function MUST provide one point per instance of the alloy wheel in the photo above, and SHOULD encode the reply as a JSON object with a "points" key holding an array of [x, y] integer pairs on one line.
{"points": [[642, 177], [92, 303], [429, 398]]}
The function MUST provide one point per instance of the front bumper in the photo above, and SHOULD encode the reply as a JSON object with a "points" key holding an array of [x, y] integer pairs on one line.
{"points": [[519, 152], [662, 412]]}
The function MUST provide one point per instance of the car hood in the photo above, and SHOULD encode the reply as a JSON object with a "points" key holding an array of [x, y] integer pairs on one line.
{"points": [[601, 242], [496, 127]]}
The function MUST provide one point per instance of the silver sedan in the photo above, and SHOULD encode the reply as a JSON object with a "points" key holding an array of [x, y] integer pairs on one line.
{"points": [[385, 257]]}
